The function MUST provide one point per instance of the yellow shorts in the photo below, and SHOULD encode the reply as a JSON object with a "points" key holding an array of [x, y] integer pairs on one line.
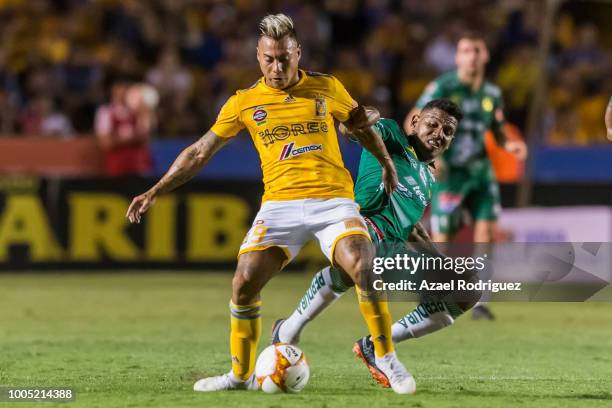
{"points": [[291, 224]]}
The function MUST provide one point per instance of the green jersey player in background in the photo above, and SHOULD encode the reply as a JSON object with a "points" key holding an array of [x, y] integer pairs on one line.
{"points": [[391, 219], [466, 180]]}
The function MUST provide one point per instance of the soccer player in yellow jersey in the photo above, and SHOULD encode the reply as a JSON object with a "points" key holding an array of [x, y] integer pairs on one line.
{"points": [[307, 194]]}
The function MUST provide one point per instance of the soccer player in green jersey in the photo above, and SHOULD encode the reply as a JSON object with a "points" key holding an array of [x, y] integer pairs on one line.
{"points": [[390, 219], [466, 180]]}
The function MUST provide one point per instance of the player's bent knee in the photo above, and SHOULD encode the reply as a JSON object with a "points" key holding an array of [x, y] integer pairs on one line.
{"points": [[244, 291], [483, 238], [246, 285], [484, 231], [254, 270]]}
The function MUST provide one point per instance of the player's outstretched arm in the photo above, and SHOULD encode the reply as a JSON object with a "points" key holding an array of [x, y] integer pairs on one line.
{"points": [[185, 167], [360, 125], [517, 147]]}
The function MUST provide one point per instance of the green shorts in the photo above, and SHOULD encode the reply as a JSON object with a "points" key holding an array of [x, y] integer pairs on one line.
{"points": [[474, 190]]}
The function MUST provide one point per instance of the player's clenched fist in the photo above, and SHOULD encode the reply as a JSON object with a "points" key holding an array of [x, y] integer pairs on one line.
{"points": [[362, 117], [518, 148], [139, 206]]}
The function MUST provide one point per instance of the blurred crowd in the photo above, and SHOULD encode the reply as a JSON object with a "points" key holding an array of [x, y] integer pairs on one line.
{"points": [[59, 59], [581, 84]]}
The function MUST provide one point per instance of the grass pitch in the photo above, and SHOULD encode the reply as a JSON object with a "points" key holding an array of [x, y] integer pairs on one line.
{"points": [[141, 340]]}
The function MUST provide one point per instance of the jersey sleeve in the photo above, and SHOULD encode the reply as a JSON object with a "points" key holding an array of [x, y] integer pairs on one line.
{"points": [[228, 123], [386, 128], [342, 102], [432, 91]]}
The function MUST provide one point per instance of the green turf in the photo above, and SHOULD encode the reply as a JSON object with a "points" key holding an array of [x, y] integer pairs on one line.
{"points": [[124, 340]]}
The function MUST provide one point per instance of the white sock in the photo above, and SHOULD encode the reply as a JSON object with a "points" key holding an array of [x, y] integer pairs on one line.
{"points": [[234, 379], [426, 318], [325, 288], [385, 359]]}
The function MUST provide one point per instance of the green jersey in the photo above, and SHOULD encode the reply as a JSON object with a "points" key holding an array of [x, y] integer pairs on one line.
{"points": [[396, 214], [482, 110]]}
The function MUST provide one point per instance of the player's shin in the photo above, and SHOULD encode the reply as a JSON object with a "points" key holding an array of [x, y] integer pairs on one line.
{"points": [[326, 287], [244, 336], [424, 319], [375, 311]]}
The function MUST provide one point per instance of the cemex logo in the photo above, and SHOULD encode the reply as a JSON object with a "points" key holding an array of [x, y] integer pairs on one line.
{"points": [[289, 150]]}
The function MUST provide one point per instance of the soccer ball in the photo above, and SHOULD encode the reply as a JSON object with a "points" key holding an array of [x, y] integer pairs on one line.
{"points": [[282, 368]]}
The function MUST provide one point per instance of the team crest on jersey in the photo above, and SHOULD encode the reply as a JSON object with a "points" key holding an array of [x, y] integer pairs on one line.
{"points": [[260, 115], [487, 104], [320, 107], [289, 150]]}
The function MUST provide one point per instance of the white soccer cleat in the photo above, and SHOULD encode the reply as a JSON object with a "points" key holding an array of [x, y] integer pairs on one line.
{"points": [[225, 382], [401, 381]]}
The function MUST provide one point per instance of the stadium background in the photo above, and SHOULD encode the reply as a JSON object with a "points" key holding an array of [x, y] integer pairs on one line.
{"points": [[60, 59]]}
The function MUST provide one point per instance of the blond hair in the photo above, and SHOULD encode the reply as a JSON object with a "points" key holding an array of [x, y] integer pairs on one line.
{"points": [[277, 26]]}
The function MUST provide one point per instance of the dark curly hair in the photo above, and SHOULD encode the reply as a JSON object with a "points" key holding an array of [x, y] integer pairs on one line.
{"points": [[445, 105]]}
